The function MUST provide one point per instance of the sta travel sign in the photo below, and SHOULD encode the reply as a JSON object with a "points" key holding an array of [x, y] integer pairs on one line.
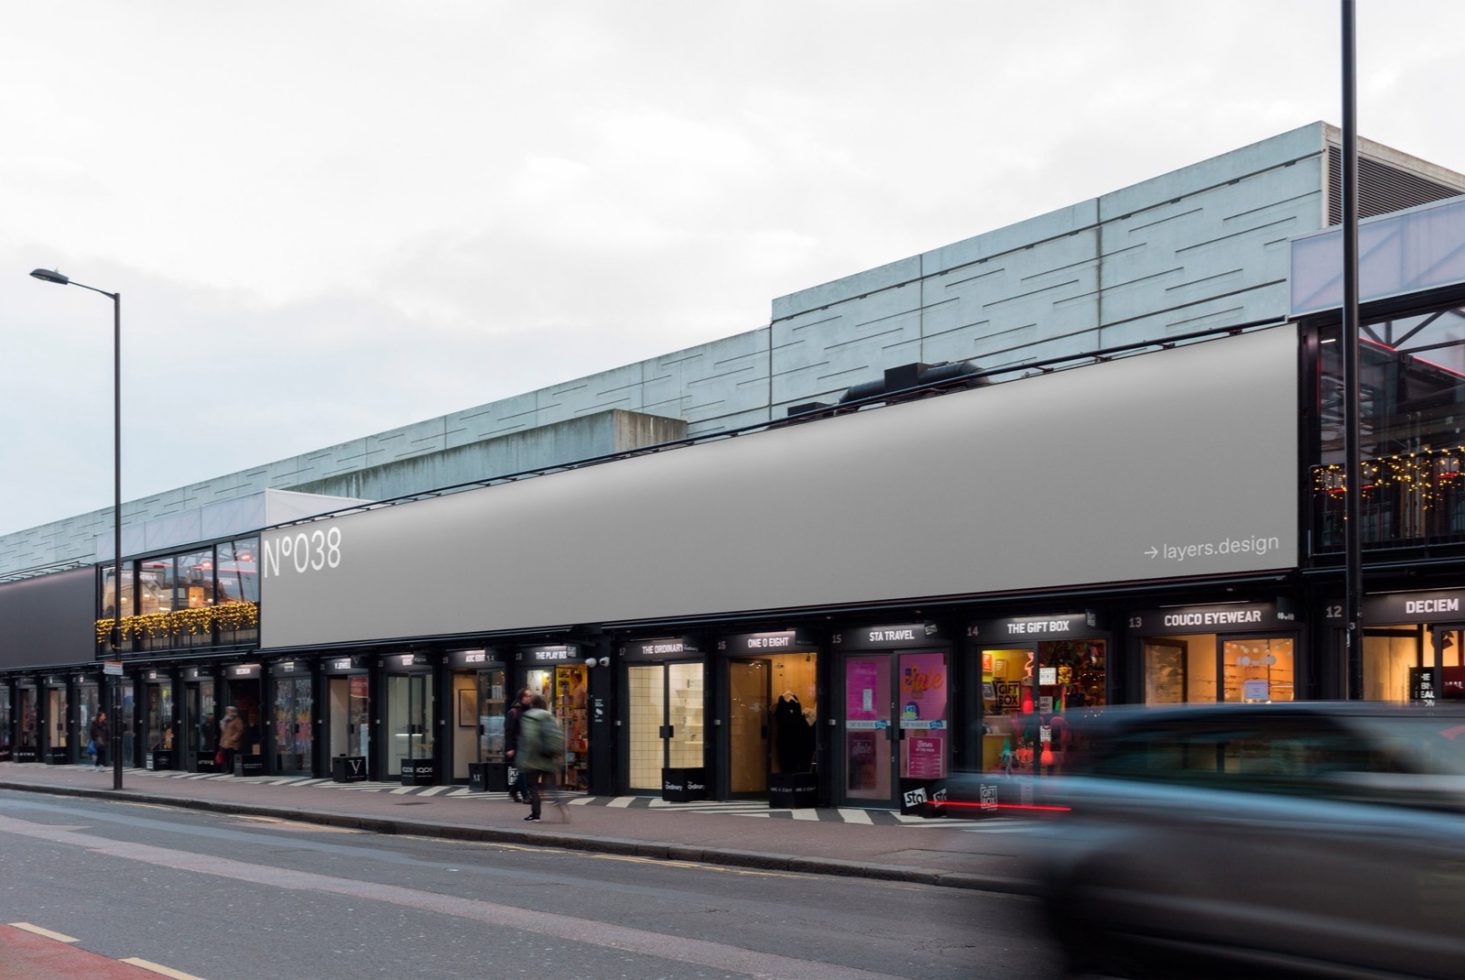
{"points": [[1168, 464]]}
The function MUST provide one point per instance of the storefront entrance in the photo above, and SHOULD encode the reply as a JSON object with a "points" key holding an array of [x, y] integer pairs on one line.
{"points": [[349, 713], [27, 747], [1207, 667], [410, 741], [294, 732], [665, 716], [1028, 688], [244, 691], [556, 674], [479, 700], [88, 703], [1235, 652], [128, 723], [1413, 646], [201, 722], [158, 731], [58, 729], [772, 720], [895, 714], [6, 752]]}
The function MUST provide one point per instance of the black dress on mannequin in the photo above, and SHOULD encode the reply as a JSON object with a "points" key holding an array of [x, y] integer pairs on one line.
{"points": [[794, 735]]}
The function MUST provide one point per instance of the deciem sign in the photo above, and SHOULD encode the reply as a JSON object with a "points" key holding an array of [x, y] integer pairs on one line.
{"points": [[305, 551]]}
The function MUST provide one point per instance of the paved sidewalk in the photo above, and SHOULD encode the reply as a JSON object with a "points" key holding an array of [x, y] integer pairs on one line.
{"points": [[979, 854], [39, 954]]}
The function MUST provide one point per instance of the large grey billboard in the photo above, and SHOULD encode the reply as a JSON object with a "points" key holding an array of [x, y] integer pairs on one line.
{"points": [[49, 620], [1176, 463]]}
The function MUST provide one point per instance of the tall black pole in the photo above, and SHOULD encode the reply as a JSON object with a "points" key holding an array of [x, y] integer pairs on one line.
{"points": [[117, 535], [1353, 525]]}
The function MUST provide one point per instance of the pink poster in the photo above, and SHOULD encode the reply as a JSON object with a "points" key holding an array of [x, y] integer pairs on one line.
{"points": [[922, 687], [862, 683], [926, 755]]}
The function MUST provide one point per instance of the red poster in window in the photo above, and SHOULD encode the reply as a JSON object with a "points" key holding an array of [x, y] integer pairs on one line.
{"points": [[925, 755]]}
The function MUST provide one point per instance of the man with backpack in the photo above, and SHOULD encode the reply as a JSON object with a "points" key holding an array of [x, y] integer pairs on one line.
{"points": [[540, 753]]}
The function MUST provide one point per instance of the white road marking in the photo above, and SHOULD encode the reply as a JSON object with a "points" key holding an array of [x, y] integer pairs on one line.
{"points": [[158, 968], [60, 937]]}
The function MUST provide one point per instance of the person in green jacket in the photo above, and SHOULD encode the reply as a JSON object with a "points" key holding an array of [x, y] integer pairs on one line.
{"points": [[540, 754]]}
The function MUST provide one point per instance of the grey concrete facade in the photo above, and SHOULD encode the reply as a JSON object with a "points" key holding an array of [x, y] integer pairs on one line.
{"points": [[1201, 247]]}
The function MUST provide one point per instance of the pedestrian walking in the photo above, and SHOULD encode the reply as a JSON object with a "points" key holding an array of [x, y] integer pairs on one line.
{"points": [[99, 734], [541, 751], [231, 736], [513, 723]]}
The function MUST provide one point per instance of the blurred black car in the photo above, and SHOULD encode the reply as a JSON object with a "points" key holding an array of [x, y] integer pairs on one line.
{"points": [[1254, 839]]}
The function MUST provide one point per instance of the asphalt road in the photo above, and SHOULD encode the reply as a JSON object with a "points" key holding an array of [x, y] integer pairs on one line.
{"points": [[216, 896]]}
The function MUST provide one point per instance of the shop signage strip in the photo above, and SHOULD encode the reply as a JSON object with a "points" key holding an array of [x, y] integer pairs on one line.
{"points": [[901, 636], [1221, 618], [1405, 607], [1081, 625]]}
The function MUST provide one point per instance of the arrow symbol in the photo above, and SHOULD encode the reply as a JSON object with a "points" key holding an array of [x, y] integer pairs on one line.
{"points": [[1153, 551]]}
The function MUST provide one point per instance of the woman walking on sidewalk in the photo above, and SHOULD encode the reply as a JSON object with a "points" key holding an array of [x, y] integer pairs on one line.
{"points": [[231, 736]]}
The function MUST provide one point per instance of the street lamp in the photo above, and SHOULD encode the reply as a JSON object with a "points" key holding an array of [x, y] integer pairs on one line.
{"points": [[1352, 366], [50, 275]]}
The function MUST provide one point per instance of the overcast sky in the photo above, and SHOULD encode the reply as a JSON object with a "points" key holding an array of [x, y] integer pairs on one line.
{"points": [[328, 219]]}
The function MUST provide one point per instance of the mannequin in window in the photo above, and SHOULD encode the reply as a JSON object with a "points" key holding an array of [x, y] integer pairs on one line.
{"points": [[793, 735]]}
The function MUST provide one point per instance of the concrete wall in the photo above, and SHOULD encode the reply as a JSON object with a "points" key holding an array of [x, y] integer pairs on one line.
{"points": [[595, 435], [1200, 247]]}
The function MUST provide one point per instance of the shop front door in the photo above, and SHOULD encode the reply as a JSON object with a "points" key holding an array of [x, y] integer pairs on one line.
{"points": [[895, 723], [749, 695], [665, 719], [57, 727], [128, 724], [409, 723], [88, 703], [294, 716], [489, 718], [6, 737], [565, 689], [201, 731], [158, 724], [350, 729], [773, 705]]}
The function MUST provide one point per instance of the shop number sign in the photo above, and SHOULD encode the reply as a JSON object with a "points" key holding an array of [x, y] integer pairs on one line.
{"points": [[304, 551]]}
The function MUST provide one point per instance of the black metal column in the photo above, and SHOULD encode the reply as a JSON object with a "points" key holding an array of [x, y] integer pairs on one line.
{"points": [[1353, 524]]}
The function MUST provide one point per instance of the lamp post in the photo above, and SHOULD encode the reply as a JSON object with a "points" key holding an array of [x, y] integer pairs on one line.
{"points": [[49, 275], [1352, 442]]}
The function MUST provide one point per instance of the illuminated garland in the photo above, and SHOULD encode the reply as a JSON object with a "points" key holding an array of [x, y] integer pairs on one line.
{"points": [[227, 616], [1423, 475]]}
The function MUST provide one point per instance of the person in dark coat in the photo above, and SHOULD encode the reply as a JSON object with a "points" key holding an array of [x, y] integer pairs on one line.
{"points": [[513, 724], [99, 733]]}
